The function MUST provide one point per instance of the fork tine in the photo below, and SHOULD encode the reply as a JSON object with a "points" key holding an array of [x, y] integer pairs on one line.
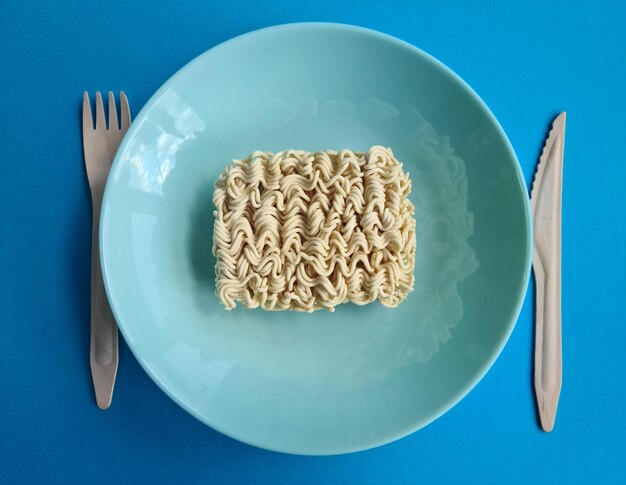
{"points": [[87, 118], [113, 124], [124, 111], [100, 125]]}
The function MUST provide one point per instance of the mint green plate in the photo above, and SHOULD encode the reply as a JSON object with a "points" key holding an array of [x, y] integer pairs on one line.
{"points": [[319, 383]]}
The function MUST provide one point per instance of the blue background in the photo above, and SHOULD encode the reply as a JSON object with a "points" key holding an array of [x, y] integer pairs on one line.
{"points": [[528, 60]]}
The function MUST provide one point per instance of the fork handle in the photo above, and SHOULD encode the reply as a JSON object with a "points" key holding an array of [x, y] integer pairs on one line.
{"points": [[103, 356]]}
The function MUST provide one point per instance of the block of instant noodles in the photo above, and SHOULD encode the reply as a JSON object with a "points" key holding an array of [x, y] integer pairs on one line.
{"points": [[304, 231]]}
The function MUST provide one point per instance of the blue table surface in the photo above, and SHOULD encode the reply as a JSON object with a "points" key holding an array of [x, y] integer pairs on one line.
{"points": [[527, 59]]}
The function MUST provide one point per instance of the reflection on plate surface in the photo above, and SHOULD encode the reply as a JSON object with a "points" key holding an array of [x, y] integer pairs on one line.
{"points": [[322, 382]]}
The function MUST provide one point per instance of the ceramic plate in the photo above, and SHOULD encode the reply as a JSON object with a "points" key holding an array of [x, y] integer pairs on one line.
{"points": [[319, 383]]}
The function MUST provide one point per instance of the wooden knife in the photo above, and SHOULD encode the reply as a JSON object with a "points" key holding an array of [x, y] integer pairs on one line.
{"points": [[545, 201]]}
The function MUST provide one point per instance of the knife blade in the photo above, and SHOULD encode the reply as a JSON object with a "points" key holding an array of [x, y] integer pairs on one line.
{"points": [[546, 204]]}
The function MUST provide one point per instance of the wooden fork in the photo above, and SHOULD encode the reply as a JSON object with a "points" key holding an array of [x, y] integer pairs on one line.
{"points": [[99, 146]]}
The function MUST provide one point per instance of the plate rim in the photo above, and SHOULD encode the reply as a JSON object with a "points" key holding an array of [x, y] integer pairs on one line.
{"points": [[521, 296]]}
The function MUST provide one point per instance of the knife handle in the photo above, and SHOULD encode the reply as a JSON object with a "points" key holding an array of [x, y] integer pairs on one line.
{"points": [[548, 354]]}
